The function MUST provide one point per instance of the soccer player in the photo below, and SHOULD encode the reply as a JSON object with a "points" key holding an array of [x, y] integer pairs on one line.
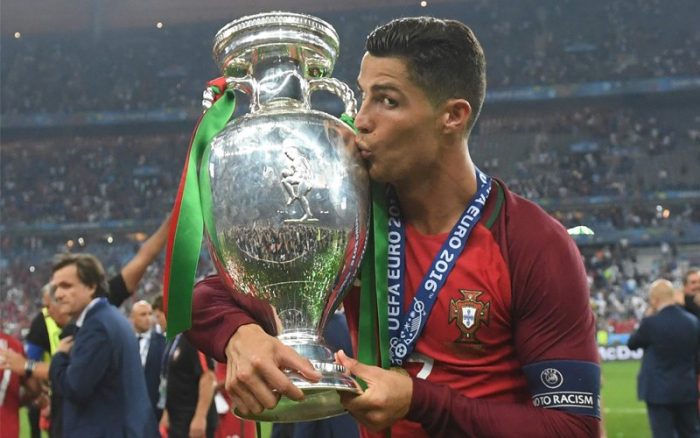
{"points": [[489, 325]]}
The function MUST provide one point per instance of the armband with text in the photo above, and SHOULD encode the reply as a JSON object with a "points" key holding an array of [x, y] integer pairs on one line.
{"points": [[568, 385]]}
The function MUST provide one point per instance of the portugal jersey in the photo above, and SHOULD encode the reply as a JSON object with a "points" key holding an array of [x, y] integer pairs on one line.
{"points": [[508, 349], [516, 299]]}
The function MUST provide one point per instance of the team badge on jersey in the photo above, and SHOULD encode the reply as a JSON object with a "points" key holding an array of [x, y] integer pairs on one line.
{"points": [[469, 313]]}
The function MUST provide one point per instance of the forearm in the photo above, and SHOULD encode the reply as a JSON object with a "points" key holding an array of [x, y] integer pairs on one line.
{"points": [[25, 367], [217, 312], [443, 412], [207, 381], [134, 270], [41, 371]]}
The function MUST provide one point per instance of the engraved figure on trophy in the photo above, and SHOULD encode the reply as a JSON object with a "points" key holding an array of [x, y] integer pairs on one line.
{"points": [[297, 176]]}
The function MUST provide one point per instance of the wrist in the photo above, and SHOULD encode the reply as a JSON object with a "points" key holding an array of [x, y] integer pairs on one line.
{"points": [[243, 332], [29, 366]]}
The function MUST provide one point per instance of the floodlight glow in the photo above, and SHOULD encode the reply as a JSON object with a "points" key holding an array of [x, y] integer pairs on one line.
{"points": [[580, 230]]}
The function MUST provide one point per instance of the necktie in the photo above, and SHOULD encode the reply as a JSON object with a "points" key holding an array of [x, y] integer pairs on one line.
{"points": [[142, 349]]}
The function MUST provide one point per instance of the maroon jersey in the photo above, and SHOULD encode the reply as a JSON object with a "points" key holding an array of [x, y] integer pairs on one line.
{"points": [[509, 334]]}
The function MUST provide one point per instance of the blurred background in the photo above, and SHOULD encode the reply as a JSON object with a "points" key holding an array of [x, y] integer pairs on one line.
{"points": [[593, 111]]}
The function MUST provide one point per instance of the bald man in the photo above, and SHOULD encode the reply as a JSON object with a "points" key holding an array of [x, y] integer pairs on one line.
{"points": [[670, 337], [151, 346]]}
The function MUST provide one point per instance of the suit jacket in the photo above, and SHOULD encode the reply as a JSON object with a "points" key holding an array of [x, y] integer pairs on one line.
{"points": [[670, 340], [102, 381], [154, 360]]}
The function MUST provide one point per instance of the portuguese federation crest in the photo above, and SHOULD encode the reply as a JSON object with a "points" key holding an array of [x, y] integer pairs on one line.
{"points": [[469, 313]]}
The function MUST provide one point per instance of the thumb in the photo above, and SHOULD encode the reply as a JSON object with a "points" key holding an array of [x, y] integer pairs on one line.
{"points": [[353, 366]]}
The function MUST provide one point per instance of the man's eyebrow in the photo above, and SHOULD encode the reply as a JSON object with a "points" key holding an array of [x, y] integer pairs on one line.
{"points": [[380, 87]]}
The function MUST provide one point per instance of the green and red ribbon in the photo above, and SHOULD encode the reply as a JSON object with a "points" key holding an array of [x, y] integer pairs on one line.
{"points": [[373, 332], [187, 223]]}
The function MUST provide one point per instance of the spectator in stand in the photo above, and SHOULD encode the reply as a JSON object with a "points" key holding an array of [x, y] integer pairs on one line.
{"points": [[667, 380]]}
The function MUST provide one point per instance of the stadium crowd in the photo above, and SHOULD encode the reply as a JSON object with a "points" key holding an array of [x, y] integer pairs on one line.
{"points": [[538, 43], [584, 152]]}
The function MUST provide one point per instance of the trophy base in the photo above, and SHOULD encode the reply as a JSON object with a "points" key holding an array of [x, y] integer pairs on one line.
{"points": [[321, 399]]}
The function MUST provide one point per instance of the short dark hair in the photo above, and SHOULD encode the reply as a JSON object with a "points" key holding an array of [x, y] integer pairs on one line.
{"points": [[90, 271], [157, 303], [443, 57], [688, 273]]}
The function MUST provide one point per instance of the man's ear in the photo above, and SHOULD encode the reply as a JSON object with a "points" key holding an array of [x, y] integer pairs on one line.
{"points": [[456, 116]]}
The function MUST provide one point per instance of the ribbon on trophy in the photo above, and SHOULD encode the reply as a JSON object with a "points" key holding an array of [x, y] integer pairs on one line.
{"points": [[187, 225], [373, 336]]}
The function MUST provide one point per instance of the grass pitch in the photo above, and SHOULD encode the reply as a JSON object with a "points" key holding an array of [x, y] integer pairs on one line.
{"points": [[623, 414]]}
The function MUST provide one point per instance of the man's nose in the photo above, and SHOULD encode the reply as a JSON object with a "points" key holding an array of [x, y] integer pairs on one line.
{"points": [[58, 295], [362, 121]]}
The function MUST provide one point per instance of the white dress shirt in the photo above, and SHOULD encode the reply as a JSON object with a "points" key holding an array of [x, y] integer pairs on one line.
{"points": [[144, 342]]}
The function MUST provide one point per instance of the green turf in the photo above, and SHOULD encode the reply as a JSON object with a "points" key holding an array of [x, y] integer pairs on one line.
{"points": [[625, 417]]}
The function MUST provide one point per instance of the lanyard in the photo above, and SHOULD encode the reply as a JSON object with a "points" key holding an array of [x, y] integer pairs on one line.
{"points": [[406, 327]]}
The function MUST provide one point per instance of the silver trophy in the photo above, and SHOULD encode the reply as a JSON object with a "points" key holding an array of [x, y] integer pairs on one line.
{"points": [[285, 195]]}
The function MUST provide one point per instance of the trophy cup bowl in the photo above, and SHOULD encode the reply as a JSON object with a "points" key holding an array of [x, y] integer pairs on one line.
{"points": [[285, 195]]}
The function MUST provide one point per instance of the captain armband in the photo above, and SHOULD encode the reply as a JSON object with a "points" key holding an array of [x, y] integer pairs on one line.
{"points": [[568, 385]]}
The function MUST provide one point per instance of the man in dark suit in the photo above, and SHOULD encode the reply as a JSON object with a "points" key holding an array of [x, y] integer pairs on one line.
{"points": [[670, 337], [97, 372], [151, 348], [691, 291]]}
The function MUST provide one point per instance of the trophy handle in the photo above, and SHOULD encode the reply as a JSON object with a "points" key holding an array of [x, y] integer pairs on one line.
{"points": [[336, 87], [247, 85]]}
